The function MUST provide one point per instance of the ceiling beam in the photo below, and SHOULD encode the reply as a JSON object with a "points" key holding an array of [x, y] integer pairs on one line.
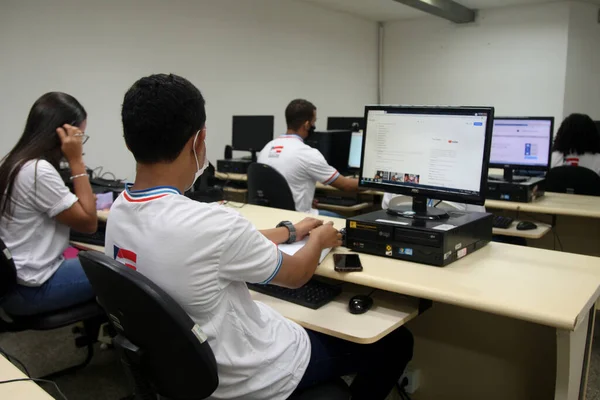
{"points": [[447, 9]]}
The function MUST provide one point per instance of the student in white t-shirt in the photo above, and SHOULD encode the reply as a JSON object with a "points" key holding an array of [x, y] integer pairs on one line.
{"points": [[37, 209], [577, 143], [202, 254], [301, 165]]}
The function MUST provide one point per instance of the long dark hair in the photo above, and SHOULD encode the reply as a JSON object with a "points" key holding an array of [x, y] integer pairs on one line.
{"points": [[577, 134], [39, 139]]}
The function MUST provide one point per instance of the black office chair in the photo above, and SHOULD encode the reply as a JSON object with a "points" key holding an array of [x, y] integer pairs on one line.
{"points": [[89, 313], [573, 180], [267, 187], [161, 348]]}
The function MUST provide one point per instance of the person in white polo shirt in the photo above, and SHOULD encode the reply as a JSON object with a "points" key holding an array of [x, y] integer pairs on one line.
{"points": [[202, 254], [301, 165], [577, 143]]}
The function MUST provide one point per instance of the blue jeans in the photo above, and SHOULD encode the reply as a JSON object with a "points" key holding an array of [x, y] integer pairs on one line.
{"points": [[68, 286], [326, 213], [377, 366]]}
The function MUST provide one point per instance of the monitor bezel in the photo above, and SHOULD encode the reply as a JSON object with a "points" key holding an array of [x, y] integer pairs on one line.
{"points": [[233, 117], [526, 167], [478, 199]]}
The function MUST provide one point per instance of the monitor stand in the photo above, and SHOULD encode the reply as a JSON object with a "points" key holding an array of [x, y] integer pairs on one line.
{"points": [[508, 177], [417, 210]]}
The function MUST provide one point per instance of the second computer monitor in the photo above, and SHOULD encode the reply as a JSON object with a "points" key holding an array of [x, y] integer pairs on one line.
{"points": [[252, 132], [427, 152], [355, 150], [521, 143]]}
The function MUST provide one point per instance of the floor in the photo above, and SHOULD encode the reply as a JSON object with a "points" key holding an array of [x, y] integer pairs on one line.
{"points": [[103, 379]]}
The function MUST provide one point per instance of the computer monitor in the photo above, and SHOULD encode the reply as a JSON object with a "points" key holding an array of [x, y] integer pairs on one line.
{"points": [[521, 143], [345, 123], [252, 132], [427, 153], [598, 126], [355, 150]]}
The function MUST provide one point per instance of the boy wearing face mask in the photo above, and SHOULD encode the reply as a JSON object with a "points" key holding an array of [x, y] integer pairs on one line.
{"points": [[301, 165], [202, 254]]}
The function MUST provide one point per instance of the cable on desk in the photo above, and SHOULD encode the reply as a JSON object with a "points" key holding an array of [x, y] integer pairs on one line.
{"points": [[37, 380], [437, 204], [13, 359]]}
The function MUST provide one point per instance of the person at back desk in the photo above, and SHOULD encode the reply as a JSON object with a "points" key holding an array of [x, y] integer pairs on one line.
{"points": [[301, 165], [37, 209], [202, 254], [577, 143]]}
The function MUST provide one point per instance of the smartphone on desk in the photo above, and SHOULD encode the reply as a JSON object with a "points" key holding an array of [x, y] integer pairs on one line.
{"points": [[347, 263]]}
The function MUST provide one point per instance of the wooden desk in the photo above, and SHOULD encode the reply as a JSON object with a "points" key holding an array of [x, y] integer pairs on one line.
{"points": [[27, 390], [554, 204], [225, 176], [354, 208], [389, 312], [538, 233]]}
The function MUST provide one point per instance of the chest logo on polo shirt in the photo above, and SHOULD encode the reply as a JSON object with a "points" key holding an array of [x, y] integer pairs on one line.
{"points": [[126, 257], [275, 151]]}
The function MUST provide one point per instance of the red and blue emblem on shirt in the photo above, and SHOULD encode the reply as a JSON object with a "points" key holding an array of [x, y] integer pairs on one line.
{"points": [[126, 257]]}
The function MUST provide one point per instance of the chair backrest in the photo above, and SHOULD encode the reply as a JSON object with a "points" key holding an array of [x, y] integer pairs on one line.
{"points": [[573, 180], [174, 356], [8, 271], [267, 187]]}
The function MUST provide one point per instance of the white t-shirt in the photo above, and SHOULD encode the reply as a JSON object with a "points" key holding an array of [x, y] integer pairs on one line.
{"points": [[302, 167], [35, 239], [202, 254], [587, 160], [385, 203]]}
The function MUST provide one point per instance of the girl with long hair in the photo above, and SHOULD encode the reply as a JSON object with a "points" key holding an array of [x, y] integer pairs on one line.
{"points": [[37, 209]]}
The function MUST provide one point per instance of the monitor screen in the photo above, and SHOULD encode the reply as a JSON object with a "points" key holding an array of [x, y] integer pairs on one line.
{"points": [[438, 152], [522, 143], [252, 132], [345, 123], [355, 150]]}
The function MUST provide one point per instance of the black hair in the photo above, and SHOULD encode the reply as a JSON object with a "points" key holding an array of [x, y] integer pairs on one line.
{"points": [[160, 113], [298, 112], [39, 139], [577, 134]]}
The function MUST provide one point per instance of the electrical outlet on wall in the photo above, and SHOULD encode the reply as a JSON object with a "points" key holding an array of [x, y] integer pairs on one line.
{"points": [[413, 376]]}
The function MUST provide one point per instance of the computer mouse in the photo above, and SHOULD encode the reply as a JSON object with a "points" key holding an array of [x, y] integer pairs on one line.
{"points": [[360, 304], [526, 226]]}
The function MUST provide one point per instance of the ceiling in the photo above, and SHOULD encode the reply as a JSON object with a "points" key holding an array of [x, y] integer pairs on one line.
{"points": [[389, 10]]}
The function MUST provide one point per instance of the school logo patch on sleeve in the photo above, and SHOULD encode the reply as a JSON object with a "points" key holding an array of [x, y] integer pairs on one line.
{"points": [[125, 257]]}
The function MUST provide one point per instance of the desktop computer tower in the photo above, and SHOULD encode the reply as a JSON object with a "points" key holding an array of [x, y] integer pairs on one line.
{"points": [[433, 242], [334, 145], [521, 192]]}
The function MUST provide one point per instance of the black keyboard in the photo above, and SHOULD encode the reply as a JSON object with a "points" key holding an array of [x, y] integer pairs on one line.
{"points": [[96, 238], [314, 294], [337, 201], [502, 222]]}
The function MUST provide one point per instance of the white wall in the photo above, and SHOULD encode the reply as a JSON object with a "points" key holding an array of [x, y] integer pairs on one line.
{"points": [[247, 57], [582, 90], [511, 58]]}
